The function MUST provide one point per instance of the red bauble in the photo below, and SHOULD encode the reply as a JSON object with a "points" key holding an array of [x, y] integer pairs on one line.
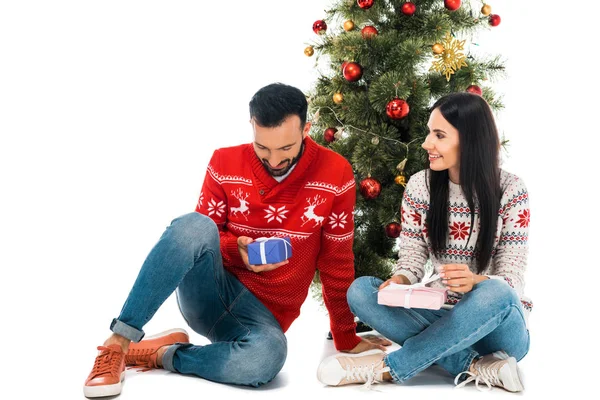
{"points": [[329, 134], [408, 8], [368, 32], [370, 188], [319, 27], [393, 229], [494, 20], [452, 5], [397, 109], [365, 4], [474, 89], [352, 71]]}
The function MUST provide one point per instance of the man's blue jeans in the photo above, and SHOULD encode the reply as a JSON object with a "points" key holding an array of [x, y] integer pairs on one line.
{"points": [[248, 346], [487, 319]]}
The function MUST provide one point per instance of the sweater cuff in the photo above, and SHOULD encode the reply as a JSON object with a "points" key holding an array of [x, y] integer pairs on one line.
{"points": [[411, 277], [230, 249], [346, 340]]}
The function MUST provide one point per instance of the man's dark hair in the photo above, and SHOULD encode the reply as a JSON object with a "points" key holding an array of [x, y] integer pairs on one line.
{"points": [[272, 104]]}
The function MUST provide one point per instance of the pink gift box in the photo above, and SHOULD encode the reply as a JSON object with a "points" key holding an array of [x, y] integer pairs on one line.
{"points": [[408, 296]]}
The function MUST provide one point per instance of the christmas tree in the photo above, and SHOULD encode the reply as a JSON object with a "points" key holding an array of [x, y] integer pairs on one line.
{"points": [[385, 62]]}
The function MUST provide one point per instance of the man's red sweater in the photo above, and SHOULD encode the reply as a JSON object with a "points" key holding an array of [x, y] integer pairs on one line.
{"points": [[313, 205]]}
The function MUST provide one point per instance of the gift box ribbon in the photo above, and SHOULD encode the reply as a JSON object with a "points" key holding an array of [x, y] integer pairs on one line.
{"points": [[409, 293], [419, 285], [263, 254]]}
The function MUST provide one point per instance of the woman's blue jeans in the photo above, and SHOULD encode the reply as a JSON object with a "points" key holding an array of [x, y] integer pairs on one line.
{"points": [[248, 346], [487, 319]]}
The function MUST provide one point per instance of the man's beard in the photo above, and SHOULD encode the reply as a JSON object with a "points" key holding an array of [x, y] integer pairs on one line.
{"points": [[284, 170]]}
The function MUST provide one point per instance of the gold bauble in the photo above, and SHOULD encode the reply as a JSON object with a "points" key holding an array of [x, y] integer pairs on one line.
{"points": [[348, 25], [338, 98], [438, 48], [400, 180], [486, 9], [309, 51]]}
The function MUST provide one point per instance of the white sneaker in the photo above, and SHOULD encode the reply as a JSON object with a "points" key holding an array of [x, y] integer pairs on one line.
{"points": [[496, 369], [341, 369]]}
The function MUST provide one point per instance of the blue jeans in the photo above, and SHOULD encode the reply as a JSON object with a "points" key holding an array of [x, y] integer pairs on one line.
{"points": [[487, 319], [248, 346]]}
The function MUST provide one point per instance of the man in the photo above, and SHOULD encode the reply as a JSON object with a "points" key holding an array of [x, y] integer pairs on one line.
{"points": [[282, 184]]}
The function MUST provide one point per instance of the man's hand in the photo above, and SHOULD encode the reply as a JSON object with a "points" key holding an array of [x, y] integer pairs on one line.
{"points": [[399, 279], [369, 342], [459, 278], [243, 242]]}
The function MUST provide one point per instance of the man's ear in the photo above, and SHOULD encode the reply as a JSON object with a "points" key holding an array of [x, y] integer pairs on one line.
{"points": [[306, 129]]}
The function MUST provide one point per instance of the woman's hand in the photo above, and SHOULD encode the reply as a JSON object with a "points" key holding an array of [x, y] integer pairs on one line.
{"points": [[399, 279], [459, 278]]}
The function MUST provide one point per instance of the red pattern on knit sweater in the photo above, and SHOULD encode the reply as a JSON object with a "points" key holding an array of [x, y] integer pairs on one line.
{"points": [[313, 206]]}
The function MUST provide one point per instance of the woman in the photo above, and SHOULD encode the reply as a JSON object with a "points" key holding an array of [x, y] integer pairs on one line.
{"points": [[471, 219]]}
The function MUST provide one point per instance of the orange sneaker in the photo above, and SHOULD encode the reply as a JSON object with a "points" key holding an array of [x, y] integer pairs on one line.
{"points": [[108, 373], [145, 353]]}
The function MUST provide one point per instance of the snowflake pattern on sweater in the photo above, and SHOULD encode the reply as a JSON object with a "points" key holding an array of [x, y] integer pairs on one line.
{"points": [[313, 205], [509, 254]]}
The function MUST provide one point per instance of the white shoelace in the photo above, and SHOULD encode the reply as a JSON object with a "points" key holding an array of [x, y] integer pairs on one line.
{"points": [[487, 375], [366, 373]]}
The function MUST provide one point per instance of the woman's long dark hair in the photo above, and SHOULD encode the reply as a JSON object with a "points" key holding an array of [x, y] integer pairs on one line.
{"points": [[479, 174]]}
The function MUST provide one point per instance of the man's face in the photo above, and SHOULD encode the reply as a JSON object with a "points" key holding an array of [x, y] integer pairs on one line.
{"points": [[279, 147]]}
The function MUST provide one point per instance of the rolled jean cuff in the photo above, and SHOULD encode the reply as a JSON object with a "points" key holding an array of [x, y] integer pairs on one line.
{"points": [[127, 331], [467, 366], [169, 355], [395, 377]]}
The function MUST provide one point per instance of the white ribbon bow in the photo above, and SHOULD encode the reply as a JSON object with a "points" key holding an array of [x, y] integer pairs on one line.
{"points": [[427, 279], [419, 285], [263, 240]]}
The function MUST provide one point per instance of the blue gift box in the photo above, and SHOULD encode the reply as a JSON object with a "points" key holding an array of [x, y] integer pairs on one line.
{"points": [[269, 250]]}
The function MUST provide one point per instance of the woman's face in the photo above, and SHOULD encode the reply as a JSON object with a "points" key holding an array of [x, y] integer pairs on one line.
{"points": [[442, 145]]}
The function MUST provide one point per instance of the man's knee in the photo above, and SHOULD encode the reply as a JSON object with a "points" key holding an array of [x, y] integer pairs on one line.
{"points": [[193, 228], [264, 356]]}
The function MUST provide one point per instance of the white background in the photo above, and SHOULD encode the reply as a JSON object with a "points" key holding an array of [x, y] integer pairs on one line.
{"points": [[110, 110]]}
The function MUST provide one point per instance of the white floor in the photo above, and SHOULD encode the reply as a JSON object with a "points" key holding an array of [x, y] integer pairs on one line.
{"points": [[64, 282], [307, 346], [110, 112]]}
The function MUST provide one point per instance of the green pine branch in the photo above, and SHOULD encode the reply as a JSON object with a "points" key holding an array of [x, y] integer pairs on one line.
{"points": [[396, 64]]}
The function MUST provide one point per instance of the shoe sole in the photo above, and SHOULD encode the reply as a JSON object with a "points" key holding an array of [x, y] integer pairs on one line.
{"points": [[513, 383], [325, 360], [104, 390]]}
